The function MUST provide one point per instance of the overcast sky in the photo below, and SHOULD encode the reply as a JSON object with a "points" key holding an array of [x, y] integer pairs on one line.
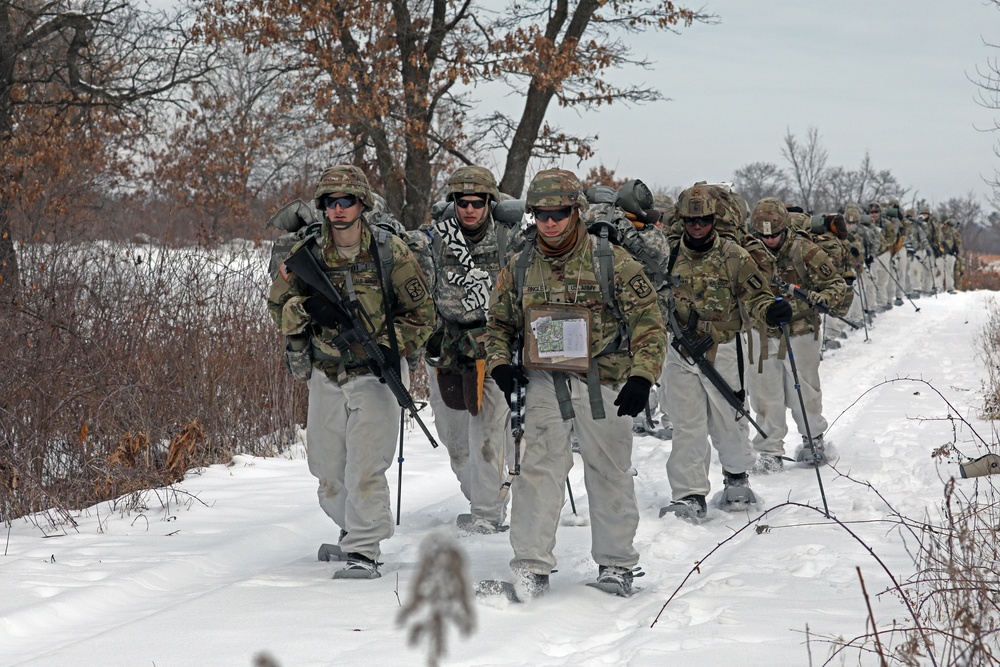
{"points": [[887, 76]]}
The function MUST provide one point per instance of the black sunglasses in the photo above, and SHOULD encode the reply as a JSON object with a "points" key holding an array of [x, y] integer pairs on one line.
{"points": [[704, 221], [347, 201], [474, 203], [555, 216], [770, 236]]}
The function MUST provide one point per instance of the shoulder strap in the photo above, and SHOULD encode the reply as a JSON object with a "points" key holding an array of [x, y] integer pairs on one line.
{"points": [[381, 251], [604, 269], [798, 262]]}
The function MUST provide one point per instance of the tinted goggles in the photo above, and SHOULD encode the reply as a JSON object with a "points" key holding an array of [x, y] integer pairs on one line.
{"points": [[554, 216], [474, 203], [347, 201]]}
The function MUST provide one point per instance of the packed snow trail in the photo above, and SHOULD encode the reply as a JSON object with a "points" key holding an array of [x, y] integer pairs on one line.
{"points": [[225, 566]]}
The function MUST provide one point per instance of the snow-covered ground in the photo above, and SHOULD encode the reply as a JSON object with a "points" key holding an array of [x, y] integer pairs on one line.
{"points": [[223, 566]]}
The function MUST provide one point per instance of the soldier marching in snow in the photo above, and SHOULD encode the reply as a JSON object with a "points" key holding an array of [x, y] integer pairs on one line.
{"points": [[711, 279], [353, 417], [470, 412], [793, 258], [588, 359]]}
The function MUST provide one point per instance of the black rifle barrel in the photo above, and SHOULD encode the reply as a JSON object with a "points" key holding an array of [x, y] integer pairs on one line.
{"points": [[802, 295], [352, 330], [684, 342]]}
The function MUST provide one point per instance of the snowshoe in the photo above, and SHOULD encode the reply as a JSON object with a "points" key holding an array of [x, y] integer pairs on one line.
{"points": [[767, 464], [814, 456], [691, 508], [831, 344], [984, 465], [478, 526], [898, 301], [358, 567], [616, 580], [526, 586], [736, 496]]}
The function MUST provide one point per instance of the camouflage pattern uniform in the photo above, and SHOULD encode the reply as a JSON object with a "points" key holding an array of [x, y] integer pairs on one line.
{"points": [[838, 251], [951, 245], [884, 288], [872, 239], [605, 443], [353, 419], [719, 282], [772, 387], [937, 248], [855, 255], [478, 439]]}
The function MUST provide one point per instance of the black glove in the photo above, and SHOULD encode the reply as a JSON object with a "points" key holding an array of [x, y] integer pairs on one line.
{"points": [[322, 311], [849, 281], [778, 313], [868, 260], [855, 251], [505, 375], [634, 396]]}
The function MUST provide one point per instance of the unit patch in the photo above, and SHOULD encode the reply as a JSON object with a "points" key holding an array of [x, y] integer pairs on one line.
{"points": [[640, 286], [415, 289]]}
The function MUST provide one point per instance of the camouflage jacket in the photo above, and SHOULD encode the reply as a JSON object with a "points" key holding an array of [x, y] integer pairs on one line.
{"points": [[840, 256], [413, 313], [873, 239], [570, 279], [721, 284], [801, 262], [461, 310], [951, 240]]}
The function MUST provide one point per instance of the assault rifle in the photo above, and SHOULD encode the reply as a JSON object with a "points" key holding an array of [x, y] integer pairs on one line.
{"points": [[803, 295], [352, 329], [687, 342]]}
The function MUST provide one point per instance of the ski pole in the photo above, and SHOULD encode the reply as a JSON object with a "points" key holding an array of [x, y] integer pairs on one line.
{"points": [[864, 299], [896, 280], [859, 285], [572, 503], [805, 417], [399, 479]]}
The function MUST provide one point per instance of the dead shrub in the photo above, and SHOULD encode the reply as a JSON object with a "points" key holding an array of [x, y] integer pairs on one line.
{"points": [[106, 339]]}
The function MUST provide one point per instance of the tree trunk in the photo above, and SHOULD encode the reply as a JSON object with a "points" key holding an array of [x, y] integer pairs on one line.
{"points": [[515, 170]]}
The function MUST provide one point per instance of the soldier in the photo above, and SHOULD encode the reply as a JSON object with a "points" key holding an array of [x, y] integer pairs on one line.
{"points": [[872, 240], [710, 278], [925, 252], [884, 288], [950, 246], [600, 380], [898, 260], [470, 413], [353, 417], [797, 260], [856, 257], [829, 232]]}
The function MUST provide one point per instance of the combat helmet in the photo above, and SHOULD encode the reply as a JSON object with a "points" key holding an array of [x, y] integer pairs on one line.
{"points": [[698, 201], [555, 187], [769, 217], [344, 178], [472, 180], [852, 212]]}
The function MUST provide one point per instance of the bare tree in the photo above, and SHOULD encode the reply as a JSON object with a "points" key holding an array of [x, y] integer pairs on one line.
{"points": [[77, 74], [808, 164], [388, 76], [757, 180]]}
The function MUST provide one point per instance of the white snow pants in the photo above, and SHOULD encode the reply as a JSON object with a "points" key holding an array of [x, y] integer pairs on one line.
{"points": [[699, 412], [351, 434], [772, 392], [539, 492]]}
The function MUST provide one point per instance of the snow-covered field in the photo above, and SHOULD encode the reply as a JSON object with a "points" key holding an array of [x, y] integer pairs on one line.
{"points": [[223, 566]]}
